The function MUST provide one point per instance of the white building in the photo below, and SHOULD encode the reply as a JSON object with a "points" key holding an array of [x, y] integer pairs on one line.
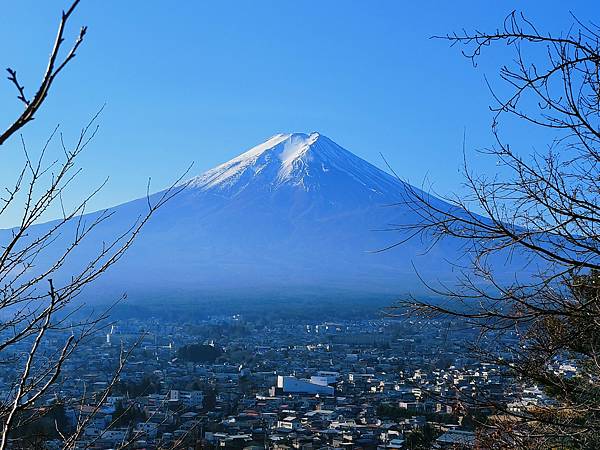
{"points": [[188, 398], [293, 385]]}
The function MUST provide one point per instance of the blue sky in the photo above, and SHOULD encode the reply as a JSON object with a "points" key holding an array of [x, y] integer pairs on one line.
{"points": [[200, 82]]}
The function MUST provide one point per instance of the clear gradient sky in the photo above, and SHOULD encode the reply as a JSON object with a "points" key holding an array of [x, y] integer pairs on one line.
{"points": [[203, 81]]}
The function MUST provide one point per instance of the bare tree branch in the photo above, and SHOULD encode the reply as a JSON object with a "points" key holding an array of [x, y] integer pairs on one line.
{"points": [[52, 70]]}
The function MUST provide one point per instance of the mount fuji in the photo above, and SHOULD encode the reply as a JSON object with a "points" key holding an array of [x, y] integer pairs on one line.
{"points": [[295, 213]]}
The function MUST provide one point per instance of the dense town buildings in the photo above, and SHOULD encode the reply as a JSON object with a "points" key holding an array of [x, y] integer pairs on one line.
{"points": [[353, 383]]}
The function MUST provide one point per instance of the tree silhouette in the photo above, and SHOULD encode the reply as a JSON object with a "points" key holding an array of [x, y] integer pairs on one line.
{"points": [[33, 304], [543, 207]]}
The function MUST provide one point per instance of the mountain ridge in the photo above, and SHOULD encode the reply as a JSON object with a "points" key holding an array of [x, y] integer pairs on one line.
{"points": [[296, 212], [296, 158]]}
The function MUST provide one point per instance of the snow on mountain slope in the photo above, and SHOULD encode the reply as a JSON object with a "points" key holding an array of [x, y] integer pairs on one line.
{"points": [[295, 159]]}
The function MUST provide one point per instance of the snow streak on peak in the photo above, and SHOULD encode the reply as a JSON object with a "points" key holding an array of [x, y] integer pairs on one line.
{"points": [[295, 159]]}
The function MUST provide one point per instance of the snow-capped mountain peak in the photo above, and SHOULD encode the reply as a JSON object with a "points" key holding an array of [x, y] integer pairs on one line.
{"points": [[277, 157], [293, 159]]}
